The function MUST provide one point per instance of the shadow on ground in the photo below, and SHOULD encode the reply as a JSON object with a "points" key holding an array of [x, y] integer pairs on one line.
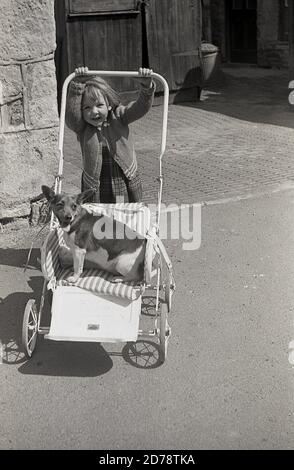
{"points": [[12, 306], [67, 359], [18, 257], [254, 99]]}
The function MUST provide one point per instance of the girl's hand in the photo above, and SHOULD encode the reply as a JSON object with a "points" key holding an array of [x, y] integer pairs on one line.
{"points": [[81, 70], [146, 79]]}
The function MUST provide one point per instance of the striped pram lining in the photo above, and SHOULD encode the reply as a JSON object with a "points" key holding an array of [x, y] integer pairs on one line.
{"points": [[134, 215]]}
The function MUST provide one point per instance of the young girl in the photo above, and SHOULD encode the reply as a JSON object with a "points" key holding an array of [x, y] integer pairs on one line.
{"points": [[101, 122]]}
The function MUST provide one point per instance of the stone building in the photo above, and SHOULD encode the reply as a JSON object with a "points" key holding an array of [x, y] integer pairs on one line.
{"points": [[251, 31], [28, 105]]}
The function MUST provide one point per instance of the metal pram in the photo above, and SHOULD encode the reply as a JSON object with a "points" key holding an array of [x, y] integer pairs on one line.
{"points": [[96, 309]]}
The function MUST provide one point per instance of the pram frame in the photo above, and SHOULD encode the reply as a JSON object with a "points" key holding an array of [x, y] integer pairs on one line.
{"points": [[32, 315]]}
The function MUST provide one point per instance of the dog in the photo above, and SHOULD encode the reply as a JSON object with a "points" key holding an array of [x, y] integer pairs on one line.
{"points": [[99, 239]]}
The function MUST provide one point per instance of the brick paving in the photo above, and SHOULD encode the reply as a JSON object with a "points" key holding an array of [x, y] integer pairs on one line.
{"points": [[237, 140]]}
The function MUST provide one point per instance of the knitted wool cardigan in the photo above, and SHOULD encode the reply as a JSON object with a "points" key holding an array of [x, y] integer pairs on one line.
{"points": [[116, 133]]}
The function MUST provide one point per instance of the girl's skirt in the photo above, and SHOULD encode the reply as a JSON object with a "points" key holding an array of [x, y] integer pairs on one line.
{"points": [[114, 185]]}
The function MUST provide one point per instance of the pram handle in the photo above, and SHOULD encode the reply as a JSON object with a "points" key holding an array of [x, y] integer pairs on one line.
{"points": [[114, 73]]}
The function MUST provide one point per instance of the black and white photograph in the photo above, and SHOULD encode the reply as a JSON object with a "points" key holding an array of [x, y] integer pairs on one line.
{"points": [[147, 229]]}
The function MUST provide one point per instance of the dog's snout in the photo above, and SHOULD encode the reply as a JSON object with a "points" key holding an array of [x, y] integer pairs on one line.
{"points": [[68, 217]]}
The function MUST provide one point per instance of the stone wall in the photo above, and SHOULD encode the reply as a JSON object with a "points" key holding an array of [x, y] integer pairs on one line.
{"points": [[270, 51], [28, 103]]}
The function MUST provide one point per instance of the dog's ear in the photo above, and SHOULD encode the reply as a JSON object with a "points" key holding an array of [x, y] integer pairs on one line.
{"points": [[85, 195], [48, 192]]}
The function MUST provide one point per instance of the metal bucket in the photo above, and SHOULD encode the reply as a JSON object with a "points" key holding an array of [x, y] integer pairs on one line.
{"points": [[210, 61]]}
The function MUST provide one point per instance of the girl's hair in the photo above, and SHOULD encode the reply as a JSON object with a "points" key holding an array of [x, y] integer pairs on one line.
{"points": [[97, 84]]}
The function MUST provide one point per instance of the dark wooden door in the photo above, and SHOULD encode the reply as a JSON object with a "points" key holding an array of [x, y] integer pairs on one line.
{"points": [[101, 34], [173, 39], [243, 30]]}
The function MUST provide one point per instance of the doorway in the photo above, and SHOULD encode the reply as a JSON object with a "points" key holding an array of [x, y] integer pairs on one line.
{"points": [[242, 27]]}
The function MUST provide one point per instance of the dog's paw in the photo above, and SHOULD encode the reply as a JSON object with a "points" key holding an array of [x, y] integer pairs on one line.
{"points": [[72, 279]]}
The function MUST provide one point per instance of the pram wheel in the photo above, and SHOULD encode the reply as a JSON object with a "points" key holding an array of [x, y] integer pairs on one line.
{"points": [[30, 328], [164, 331]]}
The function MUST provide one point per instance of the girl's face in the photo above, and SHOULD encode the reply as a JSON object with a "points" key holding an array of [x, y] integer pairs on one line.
{"points": [[95, 109]]}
